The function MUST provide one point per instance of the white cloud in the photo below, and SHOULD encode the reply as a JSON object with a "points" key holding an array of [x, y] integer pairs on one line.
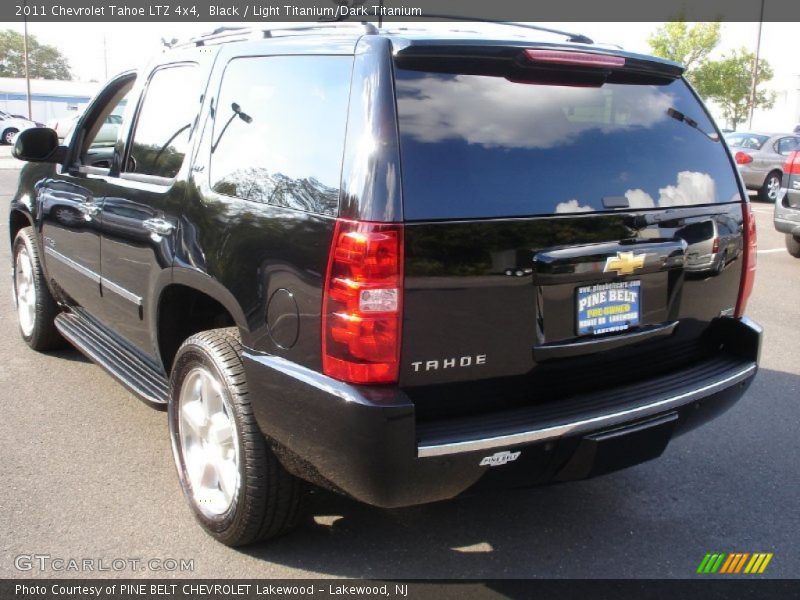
{"points": [[692, 188], [486, 111], [572, 206]]}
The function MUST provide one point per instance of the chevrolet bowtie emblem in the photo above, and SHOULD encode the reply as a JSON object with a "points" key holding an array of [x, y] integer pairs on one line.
{"points": [[624, 263]]}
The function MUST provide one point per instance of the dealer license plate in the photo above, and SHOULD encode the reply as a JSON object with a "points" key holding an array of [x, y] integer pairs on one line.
{"points": [[608, 307]]}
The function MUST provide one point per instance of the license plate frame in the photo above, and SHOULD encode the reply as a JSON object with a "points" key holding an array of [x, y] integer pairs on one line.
{"points": [[603, 308]]}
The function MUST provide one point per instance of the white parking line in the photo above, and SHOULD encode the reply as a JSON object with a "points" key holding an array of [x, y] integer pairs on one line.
{"points": [[771, 250]]}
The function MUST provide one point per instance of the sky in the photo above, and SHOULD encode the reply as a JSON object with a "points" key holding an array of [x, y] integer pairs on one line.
{"points": [[97, 51]]}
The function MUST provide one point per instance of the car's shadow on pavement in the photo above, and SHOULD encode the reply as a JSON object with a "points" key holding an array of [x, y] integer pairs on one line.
{"points": [[684, 500]]}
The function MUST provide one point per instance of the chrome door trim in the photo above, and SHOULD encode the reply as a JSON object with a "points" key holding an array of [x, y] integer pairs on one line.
{"points": [[95, 277]]}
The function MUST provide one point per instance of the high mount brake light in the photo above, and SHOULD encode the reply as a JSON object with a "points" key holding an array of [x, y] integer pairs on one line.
{"points": [[748, 258], [362, 303], [576, 59]]}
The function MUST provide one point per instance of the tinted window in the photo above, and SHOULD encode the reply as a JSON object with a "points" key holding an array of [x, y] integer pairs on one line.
{"points": [[749, 141], [482, 146], [279, 130], [165, 120]]}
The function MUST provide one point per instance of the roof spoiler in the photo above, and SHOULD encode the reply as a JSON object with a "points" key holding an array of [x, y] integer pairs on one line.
{"points": [[517, 58]]}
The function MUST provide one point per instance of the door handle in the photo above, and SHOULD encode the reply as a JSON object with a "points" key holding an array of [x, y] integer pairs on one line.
{"points": [[158, 226]]}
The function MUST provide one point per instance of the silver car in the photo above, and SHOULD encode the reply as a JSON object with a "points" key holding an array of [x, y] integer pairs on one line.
{"points": [[760, 158]]}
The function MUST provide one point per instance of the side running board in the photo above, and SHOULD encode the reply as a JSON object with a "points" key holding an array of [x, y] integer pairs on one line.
{"points": [[123, 364]]}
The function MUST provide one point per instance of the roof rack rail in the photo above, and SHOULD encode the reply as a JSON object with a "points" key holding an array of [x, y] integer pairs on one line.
{"points": [[239, 33], [571, 37]]}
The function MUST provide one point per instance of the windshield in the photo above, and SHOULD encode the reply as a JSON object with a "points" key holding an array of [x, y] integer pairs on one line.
{"points": [[482, 146]]}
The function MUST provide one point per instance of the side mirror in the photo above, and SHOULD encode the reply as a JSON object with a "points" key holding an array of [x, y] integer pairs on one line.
{"points": [[39, 144]]}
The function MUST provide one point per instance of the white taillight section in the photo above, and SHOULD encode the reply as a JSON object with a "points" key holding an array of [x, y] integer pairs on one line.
{"points": [[381, 300], [577, 59], [748, 258]]}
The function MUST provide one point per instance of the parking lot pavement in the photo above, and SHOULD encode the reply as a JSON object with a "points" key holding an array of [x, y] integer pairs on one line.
{"points": [[88, 474]]}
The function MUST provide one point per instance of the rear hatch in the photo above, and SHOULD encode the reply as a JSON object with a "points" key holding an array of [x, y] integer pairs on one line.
{"points": [[555, 211]]}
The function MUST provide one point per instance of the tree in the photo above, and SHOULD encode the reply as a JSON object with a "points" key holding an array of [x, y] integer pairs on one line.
{"points": [[45, 62], [690, 46], [729, 81]]}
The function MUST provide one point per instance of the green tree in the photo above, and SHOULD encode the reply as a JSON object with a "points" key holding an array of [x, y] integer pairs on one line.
{"points": [[45, 62], [729, 81], [690, 46]]}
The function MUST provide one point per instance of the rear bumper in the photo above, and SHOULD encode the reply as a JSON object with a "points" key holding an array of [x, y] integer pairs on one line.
{"points": [[366, 443], [787, 218]]}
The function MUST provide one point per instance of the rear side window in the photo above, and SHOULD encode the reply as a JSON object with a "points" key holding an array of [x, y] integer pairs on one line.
{"points": [[165, 120], [749, 141], [477, 146], [786, 145], [279, 128]]}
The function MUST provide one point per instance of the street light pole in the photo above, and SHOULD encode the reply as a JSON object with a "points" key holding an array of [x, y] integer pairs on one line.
{"points": [[754, 81], [25, 54]]}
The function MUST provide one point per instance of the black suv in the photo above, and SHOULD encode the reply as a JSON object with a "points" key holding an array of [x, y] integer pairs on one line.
{"points": [[395, 263]]}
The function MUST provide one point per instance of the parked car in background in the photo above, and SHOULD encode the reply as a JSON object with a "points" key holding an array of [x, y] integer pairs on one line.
{"points": [[63, 125], [760, 158], [107, 136], [787, 207], [11, 125]]}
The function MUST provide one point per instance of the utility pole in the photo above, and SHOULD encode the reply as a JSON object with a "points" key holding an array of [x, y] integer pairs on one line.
{"points": [[25, 53], [105, 57], [754, 82]]}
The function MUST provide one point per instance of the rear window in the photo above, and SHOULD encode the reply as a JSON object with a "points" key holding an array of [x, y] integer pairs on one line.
{"points": [[749, 141], [480, 146]]}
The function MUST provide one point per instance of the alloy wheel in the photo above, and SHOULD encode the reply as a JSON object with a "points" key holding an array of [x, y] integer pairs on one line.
{"points": [[209, 442]]}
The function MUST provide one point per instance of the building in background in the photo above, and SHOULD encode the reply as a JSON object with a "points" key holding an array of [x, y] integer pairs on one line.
{"points": [[50, 99]]}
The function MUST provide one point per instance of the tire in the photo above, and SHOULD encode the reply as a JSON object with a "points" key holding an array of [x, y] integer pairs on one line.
{"points": [[770, 188], [244, 495], [9, 135], [793, 245], [36, 308]]}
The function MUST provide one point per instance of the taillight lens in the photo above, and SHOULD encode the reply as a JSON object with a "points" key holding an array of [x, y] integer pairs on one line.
{"points": [[577, 59], [749, 258], [715, 245], [742, 158], [362, 303], [792, 164]]}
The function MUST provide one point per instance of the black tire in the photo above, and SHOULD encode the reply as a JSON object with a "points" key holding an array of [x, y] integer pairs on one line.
{"points": [[268, 500], [793, 245], [43, 334], [8, 135], [769, 189]]}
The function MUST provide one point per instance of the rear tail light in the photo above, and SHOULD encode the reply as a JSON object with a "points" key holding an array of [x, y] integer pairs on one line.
{"points": [[715, 245], [792, 164], [362, 303], [742, 158], [748, 260], [577, 59]]}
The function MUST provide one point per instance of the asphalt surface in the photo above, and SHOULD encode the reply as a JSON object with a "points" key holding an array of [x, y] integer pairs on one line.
{"points": [[88, 473]]}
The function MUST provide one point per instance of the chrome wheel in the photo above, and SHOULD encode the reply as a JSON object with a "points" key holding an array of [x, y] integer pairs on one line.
{"points": [[10, 136], [25, 289], [773, 185], [209, 442]]}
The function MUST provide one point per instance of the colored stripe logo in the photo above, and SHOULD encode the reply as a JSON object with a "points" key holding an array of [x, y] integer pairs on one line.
{"points": [[735, 562]]}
